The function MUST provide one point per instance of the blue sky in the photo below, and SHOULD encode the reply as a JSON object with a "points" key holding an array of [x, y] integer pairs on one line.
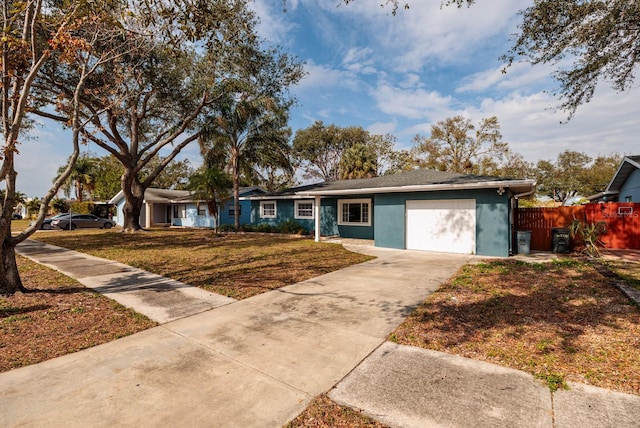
{"points": [[401, 74]]}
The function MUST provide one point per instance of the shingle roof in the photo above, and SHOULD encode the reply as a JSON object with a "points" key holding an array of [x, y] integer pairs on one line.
{"points": [[408, 181], [628, 165], [166, 196]]}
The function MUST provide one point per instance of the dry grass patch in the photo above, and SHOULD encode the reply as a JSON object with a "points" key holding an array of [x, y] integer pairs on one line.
{"points": [[56, 317], [237, 266], [559, 321], [324, 413], [628, 271]]}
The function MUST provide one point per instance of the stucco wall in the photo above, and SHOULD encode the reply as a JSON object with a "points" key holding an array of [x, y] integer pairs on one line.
{"points": [[492, 219], [631, 188], [328, 218], [245, 213], [192, 219]]}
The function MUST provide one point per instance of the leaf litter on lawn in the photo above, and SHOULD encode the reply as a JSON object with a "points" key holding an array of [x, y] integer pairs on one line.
{"points": [[560, 321]]}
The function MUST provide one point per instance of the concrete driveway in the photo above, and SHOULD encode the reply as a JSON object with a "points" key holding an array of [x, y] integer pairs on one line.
{"points": [[251, 363]]}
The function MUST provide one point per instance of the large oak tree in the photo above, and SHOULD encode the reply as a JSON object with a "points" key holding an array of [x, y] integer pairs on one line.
{"points": [[35, 35], [155, 100]]}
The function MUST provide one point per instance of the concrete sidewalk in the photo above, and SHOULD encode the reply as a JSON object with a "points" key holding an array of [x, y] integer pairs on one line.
{"points": [[159, 298], [404, 386], [259, 362]]}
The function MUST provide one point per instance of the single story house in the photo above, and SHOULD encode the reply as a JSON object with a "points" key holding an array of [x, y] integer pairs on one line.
{"points": [[419, 210], [162, 207], [625, 184]]}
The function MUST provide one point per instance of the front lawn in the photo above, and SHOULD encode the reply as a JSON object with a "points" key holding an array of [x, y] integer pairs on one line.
{"points": [[237, 266], [559, 321], [58, 316]]}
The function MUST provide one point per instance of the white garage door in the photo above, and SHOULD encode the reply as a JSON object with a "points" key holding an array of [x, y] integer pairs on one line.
{"points": [[442, 225]]}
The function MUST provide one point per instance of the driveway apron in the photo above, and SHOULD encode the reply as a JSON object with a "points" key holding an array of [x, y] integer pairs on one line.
{"points": [[251, 363]]}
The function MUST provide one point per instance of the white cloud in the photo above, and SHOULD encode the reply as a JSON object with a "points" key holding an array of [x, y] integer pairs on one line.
{"points": [[430, 34], [322, 76], [382, 128], [359, 60], [410, 103], [274, 25], [534, 129]]}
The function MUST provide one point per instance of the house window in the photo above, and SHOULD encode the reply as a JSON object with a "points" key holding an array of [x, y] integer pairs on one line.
{"points": [[304, 209], [268, 209], [202, 209], [354, 212], [232, 210], [179, 211], [628, 199]]}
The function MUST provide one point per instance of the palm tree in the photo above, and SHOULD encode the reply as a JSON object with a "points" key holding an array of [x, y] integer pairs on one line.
{"points": [[33, 206], [210, 184], [82, 178], [250, 132], [358, 161], [19, 198]]}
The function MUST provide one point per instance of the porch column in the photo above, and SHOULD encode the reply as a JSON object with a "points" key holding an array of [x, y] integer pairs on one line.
{"points": [[316, 208], [148, 211]]}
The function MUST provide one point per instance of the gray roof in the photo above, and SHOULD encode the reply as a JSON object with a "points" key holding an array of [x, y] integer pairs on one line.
{"points": [[628, 165], [410, 181], [166, 196]]}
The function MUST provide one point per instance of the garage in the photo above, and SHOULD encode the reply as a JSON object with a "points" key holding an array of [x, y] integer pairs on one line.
{"points": [[441, 225]]}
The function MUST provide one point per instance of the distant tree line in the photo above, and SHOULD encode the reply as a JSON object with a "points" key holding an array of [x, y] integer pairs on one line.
{"points": [[323, 152]]}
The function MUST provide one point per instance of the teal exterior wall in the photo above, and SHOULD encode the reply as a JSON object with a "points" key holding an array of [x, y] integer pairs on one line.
{"points": [[285, 211], [631, 188], [245, 213], [493, 229], [493, 234], [389, 221]]}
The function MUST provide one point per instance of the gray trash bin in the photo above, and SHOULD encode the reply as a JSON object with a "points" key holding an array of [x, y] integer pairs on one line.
{"points": [[524, 241]]}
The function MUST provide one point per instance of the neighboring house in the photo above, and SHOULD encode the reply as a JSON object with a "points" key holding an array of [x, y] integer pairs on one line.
{"points": [[419, 209], [162, 207], [625, 184]]}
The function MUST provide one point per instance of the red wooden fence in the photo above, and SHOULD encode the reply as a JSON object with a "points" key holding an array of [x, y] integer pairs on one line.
{"points": [[622, 221]]}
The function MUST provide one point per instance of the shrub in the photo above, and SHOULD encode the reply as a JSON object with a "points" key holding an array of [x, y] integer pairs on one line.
{"points": [[81, 207], [590, 234], [227, 228], [291, 227]]}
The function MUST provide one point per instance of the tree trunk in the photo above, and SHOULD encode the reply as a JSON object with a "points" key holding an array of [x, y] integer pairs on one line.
{"points": [[10, 281], [236, 188], [236, 201], [134, 198]]}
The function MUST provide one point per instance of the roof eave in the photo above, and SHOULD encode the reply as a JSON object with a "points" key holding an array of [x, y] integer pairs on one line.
{"points": [[517, 186], [617, 180]]}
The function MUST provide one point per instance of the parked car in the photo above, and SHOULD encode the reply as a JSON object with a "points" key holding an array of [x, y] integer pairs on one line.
{"points": [[81, 221], [17, 216], [46, 223]]}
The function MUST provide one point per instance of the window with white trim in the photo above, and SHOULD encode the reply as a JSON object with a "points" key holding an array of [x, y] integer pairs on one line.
{"points": [[303, 209], [180, 211], [354, 212], [202, 209], [268, 209]]}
